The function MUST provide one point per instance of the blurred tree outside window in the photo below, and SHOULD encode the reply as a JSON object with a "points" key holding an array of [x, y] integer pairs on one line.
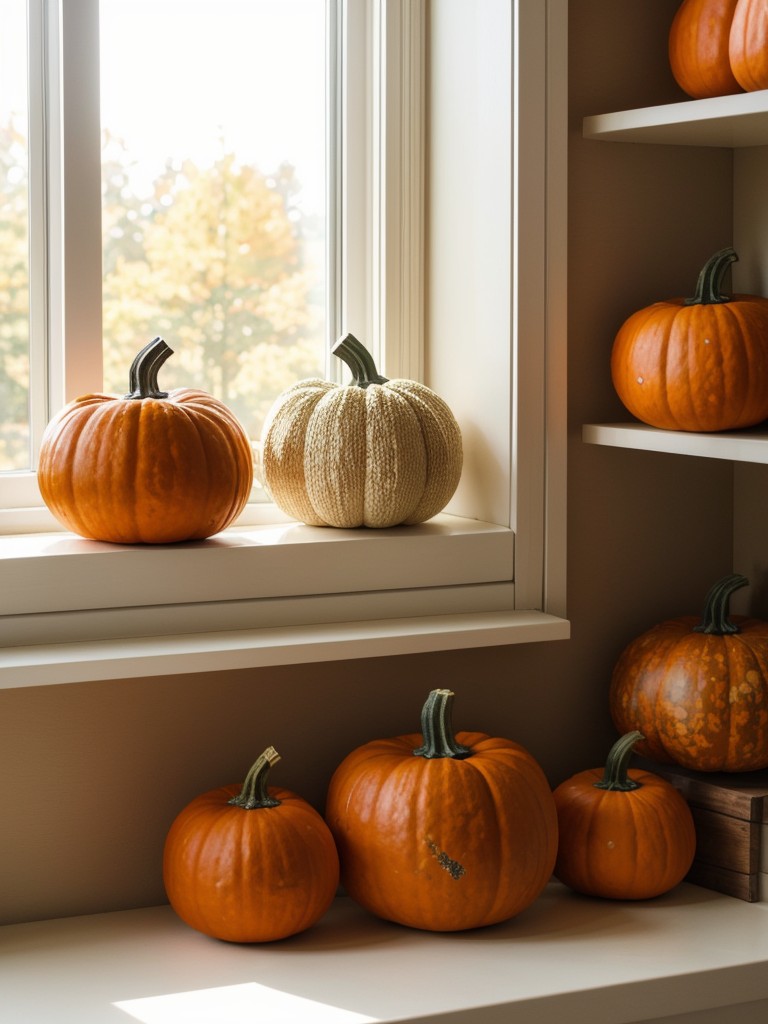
{"points": [[14, 241], [213, 201]]}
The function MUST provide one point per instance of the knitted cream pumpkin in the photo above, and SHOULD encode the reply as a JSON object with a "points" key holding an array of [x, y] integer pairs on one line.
{"points": [[376, 452]]}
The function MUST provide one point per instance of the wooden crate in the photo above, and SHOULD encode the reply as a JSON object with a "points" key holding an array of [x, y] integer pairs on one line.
{"points": [[730, 812]]}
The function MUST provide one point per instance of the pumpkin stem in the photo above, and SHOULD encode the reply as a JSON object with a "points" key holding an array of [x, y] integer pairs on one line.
{"points": [[437, 730], [254, 792], [616, 764], [711, 279], [142, 377], [715, 619], [359, 360]]}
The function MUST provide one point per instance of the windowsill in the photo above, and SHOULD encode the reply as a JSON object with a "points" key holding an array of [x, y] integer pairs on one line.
{"points": [[73, 610], [46, 664], [567, 957]]}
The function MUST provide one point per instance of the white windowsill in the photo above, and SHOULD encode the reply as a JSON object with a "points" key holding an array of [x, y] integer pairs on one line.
{"points": [[73, 610], [46, 664], [566, 958]]}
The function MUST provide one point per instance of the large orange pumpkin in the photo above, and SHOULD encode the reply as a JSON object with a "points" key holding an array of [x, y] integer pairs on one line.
{"points": [[440, 831], [698, 48], [697, 689], [698, 364], [250, 864], [748, 44], [152, 467], [625, 834]]}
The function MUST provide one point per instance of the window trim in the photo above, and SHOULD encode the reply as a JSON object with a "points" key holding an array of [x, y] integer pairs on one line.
{"points": [[537, 430]]}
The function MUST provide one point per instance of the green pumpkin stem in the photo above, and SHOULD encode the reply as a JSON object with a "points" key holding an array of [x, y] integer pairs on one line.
{"points": [[616, 764], [254, 793], [715, 619], [359, 360], [708, 287], [142, 377], [437, 730]]}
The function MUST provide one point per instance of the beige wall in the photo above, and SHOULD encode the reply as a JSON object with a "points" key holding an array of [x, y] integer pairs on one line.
{"points": [[91, 775]]}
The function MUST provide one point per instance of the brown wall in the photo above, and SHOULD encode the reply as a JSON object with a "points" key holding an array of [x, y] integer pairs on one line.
{"points": [[92, 774]]}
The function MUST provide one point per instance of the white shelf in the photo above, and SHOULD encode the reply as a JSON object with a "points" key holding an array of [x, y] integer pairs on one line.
{"points": [[730, 121], [739, 445], [139, 657], [566, 958]]}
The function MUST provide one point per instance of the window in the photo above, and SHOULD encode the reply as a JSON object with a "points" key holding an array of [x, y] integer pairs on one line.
{"points": [[447, 145], [214, 194], [14, 250]]}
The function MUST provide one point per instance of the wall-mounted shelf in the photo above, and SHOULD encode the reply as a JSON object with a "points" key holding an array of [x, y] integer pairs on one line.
{"points": [[565, 958], [730, 121], [739, 445], [726, 121]]}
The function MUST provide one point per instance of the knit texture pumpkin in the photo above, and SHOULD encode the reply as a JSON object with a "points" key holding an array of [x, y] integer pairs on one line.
{"points": [[375, 453]]}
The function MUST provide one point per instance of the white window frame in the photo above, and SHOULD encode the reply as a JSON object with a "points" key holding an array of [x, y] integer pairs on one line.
{"points": [[491, 568]]}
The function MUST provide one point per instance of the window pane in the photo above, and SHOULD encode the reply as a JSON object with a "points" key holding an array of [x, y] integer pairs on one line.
{"points": [[14, 241], [214, 193]]}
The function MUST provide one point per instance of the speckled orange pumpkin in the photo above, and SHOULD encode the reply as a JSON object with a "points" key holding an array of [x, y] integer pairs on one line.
{"points": [[697, 689]]}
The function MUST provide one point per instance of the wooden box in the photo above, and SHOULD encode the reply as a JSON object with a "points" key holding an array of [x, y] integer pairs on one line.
{"points": [[730, 812]]}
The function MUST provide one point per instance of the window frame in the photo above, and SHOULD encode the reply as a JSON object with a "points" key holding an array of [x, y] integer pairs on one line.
{"points": [[521, 563]]}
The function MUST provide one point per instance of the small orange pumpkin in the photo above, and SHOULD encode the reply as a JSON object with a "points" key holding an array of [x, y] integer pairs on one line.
{"points": [[625, 834], [251, 863], [698, 48], [748, 44], [697, 689], [698, 364], [440, 831], [152, 467]]}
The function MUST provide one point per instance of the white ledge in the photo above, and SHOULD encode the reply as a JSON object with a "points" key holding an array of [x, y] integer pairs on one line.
{"points": [[566, 958], [45, 664], [750, 445], [730, 121]]}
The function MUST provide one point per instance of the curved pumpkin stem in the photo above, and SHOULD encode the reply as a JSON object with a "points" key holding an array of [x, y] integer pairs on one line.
{"points": [[616, 764], [359, 360], [709, 284], [254, 793], [142, 377], [437, 730], [715, 619]]}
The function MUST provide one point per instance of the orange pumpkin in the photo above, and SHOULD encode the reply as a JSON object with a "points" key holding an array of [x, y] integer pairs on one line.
{"points": [[698, 48], [625, 834], [748, 44], [697, 364], [250, 864], [152, 467], [698, 689], [440, 831]]}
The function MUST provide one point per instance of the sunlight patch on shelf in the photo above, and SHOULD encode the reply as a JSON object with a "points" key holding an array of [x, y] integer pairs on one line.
{"points": [[237, 1004]]}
